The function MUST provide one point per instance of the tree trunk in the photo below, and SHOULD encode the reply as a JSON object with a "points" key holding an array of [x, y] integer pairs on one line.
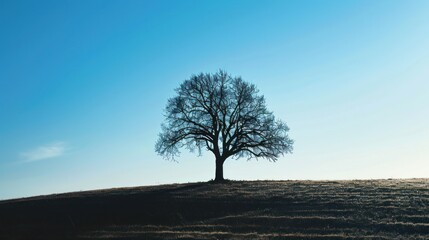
{"points": [[219, 170]]}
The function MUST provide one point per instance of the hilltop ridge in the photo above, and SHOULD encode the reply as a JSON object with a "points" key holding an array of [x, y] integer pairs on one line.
{"points": [[382, 209]]}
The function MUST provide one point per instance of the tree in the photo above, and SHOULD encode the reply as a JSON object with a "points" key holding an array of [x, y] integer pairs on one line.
{"points": [[224, 115]]}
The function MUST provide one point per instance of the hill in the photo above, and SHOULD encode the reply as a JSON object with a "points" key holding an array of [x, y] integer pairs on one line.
{"points": [[361, 209]]}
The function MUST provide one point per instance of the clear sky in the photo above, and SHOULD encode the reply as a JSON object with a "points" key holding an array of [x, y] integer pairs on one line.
{"points": [[83, 86]]}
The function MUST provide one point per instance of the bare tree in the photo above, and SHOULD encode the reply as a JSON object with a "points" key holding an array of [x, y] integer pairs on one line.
{"points": [[224, 115]]}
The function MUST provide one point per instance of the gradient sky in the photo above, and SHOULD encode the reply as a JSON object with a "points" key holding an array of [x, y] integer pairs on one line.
{"points": [[83, 86]]}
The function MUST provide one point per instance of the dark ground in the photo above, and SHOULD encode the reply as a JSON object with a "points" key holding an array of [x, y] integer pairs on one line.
{"points": [[376, 209]]}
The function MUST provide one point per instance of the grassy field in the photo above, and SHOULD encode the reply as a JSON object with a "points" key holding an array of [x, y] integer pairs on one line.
{"points": [[376, 209]]}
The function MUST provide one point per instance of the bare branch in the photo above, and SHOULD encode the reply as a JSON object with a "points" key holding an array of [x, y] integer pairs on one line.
{"points": [[224, 115]]}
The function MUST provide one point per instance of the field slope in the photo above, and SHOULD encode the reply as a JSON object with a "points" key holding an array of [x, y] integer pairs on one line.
{"points": [[364, 209]]}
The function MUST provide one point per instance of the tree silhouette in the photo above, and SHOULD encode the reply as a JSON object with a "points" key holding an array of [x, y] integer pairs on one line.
{"points": [[224, 115]]}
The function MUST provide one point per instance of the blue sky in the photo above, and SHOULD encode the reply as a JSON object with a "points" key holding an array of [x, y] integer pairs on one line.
{"points": [[83, 85]]}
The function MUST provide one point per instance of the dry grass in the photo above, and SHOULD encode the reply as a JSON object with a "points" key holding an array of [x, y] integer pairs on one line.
{"points": [[376, 209]]}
